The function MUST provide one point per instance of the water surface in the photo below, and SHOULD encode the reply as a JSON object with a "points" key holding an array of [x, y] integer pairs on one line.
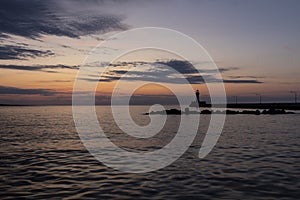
{"points": [[256, 157]]}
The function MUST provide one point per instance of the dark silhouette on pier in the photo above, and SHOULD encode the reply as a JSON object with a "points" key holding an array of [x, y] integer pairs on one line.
{"points": [[198, 97], [198, 103]]}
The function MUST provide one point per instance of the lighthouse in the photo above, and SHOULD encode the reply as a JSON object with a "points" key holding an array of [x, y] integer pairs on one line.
{"points": [[198, 97], [198, 103]]}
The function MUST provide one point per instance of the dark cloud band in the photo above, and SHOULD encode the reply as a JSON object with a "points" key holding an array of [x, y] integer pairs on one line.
{"points": [[12, 52], [166, 72], [5, 90], [34, 18], [44, 68]]}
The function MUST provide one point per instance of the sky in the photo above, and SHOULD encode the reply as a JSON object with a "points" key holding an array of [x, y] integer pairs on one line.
{"points": [[254, 43]]}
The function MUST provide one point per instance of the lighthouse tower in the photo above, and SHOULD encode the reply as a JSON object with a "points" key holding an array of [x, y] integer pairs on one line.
{"points": [[198, 97]]}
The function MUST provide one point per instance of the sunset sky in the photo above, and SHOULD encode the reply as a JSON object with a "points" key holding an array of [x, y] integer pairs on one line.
{"points": [[255, 44]]}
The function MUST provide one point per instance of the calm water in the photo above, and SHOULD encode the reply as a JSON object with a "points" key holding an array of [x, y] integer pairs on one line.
{"points": [[256, 157]]}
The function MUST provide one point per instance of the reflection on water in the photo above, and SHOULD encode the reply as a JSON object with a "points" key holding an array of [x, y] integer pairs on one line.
{"points": [[257, 157]]}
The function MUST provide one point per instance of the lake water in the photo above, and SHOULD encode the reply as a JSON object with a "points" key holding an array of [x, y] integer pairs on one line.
{"points": [[256, 157]]}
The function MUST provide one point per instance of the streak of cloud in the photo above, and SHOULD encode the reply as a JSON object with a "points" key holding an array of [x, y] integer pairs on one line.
{"points": [[6, 90], [43, 68], [12, 52], [166, 72]]}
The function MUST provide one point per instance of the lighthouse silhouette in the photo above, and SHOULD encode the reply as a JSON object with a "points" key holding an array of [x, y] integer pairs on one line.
{"points": [[198, 97]]}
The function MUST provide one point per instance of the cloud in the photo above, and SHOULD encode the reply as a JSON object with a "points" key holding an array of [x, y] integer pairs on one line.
{"points": [[6, 90], [183, 67], [34, 18], [2, 36], [242, 81], [12, 52], [43, 68], [237, 77], [156, 72], [165, 72], [56, 81]]}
